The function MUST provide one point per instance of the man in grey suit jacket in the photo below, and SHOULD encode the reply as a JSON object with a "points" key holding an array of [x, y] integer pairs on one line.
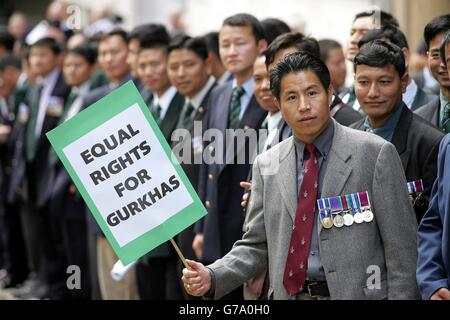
{"points": [[434, 33], [349, 161]]}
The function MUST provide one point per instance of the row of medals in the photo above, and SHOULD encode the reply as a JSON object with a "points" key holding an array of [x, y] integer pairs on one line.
{"points": [[347, 219]]}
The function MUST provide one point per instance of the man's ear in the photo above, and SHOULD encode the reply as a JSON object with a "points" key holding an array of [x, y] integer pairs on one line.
{"points": [[330, 92], [405, 80], [262, 45], [276, 103]]}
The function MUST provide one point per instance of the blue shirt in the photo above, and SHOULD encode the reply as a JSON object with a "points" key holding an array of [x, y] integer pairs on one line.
{"points": [[386, 131]]}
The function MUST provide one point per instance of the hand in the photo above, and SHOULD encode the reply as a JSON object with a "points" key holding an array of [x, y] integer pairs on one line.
{"points": [[247, 186], [441, 294], [197, 246], [196, 279], [4, 133]]}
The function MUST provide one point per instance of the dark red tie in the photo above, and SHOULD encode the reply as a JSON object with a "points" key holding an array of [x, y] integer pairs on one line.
{"points": [[297, 259]]}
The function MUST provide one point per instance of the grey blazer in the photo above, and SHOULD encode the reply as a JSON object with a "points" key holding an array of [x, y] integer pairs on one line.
{"points": [[430, 111], [357, 162]]}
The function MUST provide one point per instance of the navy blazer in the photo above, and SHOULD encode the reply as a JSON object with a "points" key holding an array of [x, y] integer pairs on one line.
{"points": [[219, 183], [433, 265]]}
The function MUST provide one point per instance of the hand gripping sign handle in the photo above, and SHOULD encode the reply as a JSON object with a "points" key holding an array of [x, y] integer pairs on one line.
{"points": [[177, 249], [179, 253]]}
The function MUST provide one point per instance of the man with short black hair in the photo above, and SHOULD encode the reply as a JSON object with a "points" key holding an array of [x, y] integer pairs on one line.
{"points": [[380, 80], [434, 111], [307, 256], [414, 97], [231, 106]]}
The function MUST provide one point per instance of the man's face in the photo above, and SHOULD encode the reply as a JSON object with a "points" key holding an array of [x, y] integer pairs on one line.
{"points": [[379, 90], [435, 63], [261, 87], [42, 60], [238, 48], [112, 57], [152, 69], [133, 51], [8, 80], [304, 103], [359, 28], [187, 71], [76, 69], [335, 63]]}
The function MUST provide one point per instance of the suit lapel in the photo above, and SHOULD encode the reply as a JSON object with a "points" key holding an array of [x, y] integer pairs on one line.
{"points": [[287, 177], [339, 165], [170, 120], [400, 137], [31, 125]]}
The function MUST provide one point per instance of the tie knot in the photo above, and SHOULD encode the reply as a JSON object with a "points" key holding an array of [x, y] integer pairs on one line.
{"points": [[238, 91], [311, 148]]}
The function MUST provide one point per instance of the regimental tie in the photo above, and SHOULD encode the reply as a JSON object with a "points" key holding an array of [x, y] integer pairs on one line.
{"points": [[156, 112], [445, 124], [188, 108], [235, 108], [297, 259]]}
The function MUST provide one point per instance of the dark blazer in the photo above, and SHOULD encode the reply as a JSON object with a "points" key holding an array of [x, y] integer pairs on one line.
{"points": [[37, 172], [192, 169], [219, 183], [167, 126], [430, 111], [345, 114], [14, 160], [63, 203], [417, 143], [433, 265]]}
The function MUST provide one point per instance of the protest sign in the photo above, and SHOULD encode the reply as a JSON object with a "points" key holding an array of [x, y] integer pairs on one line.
{"points": [[124, 169]]}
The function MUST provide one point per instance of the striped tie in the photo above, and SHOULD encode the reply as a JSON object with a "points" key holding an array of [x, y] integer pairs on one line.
{"points": [[445, 123], [235, 109], [188, 108]]}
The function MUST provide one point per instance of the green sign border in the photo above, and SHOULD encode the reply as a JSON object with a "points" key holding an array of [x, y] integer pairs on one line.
{"points": [[92, 117]]}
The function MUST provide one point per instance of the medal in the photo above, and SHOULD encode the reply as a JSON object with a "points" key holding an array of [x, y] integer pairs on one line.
{"points": [[325, 212], [415, 189], [356, 207], [327, 222], [348, 217], [336, 210], [365, 206], [338, 221]]}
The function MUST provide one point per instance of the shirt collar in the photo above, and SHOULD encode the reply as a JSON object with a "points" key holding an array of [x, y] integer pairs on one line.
{"points": [[165, 100], [247, 86], [322, 143], [410, 93], [273, 120], [198, 98], [224, 77], [50, 79], [386, 131], [82, 90]]}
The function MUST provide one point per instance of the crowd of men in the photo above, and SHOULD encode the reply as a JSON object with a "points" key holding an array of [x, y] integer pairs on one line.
{"points": [[362, 178]]}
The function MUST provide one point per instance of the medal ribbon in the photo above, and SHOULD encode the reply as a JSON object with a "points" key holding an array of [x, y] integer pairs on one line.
{"points": [[364, 199]]}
